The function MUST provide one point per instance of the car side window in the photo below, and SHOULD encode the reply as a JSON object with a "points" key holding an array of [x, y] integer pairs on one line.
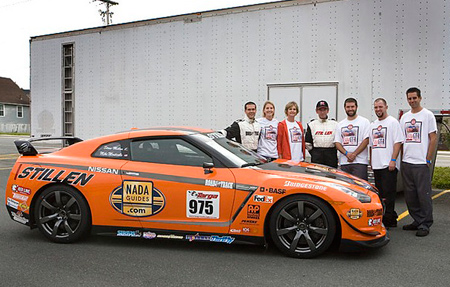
{"points": [[117, 150], [168, 151]]}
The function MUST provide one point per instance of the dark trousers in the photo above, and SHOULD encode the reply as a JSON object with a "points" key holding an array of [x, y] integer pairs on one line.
{"points": [[357, 169], [325, 156], [386, 182], [417, 185]]}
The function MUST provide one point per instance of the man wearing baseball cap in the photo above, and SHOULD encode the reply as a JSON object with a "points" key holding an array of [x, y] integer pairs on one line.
{"points": [[320, 137]]}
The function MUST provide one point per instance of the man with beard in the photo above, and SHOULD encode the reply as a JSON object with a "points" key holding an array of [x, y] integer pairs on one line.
{"points": [[245, 131], [320, 137], [385, 140], [351, 139], [419, 125]]}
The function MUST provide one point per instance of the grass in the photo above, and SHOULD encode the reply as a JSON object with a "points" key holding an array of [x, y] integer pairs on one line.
{"points": [[441, 177]]}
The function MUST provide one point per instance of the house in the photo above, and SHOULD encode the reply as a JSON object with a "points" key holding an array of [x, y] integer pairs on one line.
{"points": [[14, 108]]}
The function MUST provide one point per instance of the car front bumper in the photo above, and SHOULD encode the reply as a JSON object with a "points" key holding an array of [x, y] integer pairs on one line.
{"points": [[352, 245]]}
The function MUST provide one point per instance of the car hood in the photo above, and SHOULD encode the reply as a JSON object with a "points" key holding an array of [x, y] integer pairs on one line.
{"points": [[312, 172]]}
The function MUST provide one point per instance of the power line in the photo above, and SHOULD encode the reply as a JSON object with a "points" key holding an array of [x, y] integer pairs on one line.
{"points": [[106, 14]]}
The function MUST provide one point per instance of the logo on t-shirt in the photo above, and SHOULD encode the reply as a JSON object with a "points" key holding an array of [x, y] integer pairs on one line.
{"points": [[413, 130], [379, 137], [296, 135], [271, 133], [322, 133], [349, 135]]}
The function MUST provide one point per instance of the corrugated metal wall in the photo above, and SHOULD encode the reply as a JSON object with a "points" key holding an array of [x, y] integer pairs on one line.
{"points": [[201, 73]]}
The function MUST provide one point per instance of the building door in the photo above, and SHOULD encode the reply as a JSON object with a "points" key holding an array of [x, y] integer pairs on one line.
{"points": [[306, 95], [280, 96]]}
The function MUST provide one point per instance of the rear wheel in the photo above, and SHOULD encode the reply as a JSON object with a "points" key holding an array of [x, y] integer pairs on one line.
{"points": [[302, 226], [62, 214]]}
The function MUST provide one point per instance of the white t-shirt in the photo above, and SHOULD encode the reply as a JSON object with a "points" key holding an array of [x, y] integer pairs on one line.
{"points": [[295, 141], [416, 128], [351, 134], [267, 144], [382, 137]]}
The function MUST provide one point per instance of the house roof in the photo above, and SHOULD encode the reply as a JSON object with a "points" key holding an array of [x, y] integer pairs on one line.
{"points": [[10, 93]]}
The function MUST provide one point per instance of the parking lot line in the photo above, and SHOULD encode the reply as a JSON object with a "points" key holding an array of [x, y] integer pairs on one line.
{"points": [[8, 156], [406, 213], [3, 168]]}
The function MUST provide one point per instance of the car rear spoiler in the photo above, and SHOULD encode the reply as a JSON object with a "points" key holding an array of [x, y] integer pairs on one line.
{"points": [[25, 147]]}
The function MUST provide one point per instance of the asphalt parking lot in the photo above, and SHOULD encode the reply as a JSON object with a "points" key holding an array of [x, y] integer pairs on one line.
{"points": [[28, 259]]}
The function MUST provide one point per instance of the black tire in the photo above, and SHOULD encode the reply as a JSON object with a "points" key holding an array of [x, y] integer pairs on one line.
{"points": [[62, 214], [302, 226]]}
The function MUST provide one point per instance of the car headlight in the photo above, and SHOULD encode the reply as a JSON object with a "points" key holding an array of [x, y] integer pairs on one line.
{"points": [[366, 186], [362, 197]]}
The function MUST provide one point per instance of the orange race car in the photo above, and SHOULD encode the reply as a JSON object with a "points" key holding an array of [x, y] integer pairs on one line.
{"points": [[190, 184]]}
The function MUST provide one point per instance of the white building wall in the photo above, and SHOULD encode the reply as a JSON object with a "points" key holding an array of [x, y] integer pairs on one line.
{"points": [[46, 114], [201, 73]]}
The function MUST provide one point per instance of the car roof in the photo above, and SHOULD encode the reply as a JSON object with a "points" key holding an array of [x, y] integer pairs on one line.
{"points": [[85, 148], [182, 130]]}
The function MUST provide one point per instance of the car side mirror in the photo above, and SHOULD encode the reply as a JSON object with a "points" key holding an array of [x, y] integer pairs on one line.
{"points": [[207, 166]]}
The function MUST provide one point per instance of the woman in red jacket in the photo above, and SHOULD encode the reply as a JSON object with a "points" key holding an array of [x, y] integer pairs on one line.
{"points": [[291, 138]]}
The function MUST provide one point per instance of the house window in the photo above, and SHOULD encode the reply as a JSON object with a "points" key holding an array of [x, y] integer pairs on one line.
{"points": [[19, 111], [2, 110]]}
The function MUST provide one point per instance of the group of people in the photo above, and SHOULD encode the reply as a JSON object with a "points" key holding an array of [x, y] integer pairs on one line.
{"points": [[353, 139], [267, 136]]}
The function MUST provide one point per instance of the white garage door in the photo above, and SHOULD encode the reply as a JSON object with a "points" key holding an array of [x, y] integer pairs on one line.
{"points": [[306, 95]]}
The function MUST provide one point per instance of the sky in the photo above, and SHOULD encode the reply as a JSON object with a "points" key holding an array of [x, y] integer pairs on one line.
{"points": [[22, 19]]}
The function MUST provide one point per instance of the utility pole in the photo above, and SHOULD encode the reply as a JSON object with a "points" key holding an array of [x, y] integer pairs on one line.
{"points": [[106, 14]]}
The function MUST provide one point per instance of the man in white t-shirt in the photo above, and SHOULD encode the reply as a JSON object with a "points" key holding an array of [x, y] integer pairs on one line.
{"points": [[352, 137], [385, 141], [419, 127]]}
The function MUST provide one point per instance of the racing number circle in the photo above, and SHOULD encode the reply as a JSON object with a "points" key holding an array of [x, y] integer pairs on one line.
{"points": [[302, 226], [62, 214]]}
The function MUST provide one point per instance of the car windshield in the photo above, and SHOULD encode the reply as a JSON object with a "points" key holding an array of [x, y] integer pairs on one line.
{"points": [[234, 151]]}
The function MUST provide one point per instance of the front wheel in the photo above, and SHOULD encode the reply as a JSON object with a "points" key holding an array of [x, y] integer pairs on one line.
{"points": [[62, 214], [302, 226]]}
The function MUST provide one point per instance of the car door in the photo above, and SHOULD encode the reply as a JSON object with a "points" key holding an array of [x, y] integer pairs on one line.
{"points": [[106, 164], [167, 188]]}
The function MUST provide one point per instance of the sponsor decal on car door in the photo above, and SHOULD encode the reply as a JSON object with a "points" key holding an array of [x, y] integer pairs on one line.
{"points": [[188, 198]]}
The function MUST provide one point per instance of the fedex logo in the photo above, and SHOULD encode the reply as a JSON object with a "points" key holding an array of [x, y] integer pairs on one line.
{"points": [[263, 198]]}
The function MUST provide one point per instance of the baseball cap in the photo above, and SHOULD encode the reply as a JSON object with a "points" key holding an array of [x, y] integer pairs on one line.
{"points": [[322, 104]]}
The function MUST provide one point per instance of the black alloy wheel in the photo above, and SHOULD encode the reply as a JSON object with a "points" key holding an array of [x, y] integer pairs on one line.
{"points": [[302, 226], [62, 214]]}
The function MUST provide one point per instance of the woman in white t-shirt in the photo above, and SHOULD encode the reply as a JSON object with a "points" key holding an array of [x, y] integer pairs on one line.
{"points": [[291, 137], [267, 144]]}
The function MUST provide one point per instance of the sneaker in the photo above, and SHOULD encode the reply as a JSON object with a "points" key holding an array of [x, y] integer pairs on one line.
{"points": [[422, 232], [410, 227]]}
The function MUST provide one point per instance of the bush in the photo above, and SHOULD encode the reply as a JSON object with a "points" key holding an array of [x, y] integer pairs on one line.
{"points": [[441, 177]]}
